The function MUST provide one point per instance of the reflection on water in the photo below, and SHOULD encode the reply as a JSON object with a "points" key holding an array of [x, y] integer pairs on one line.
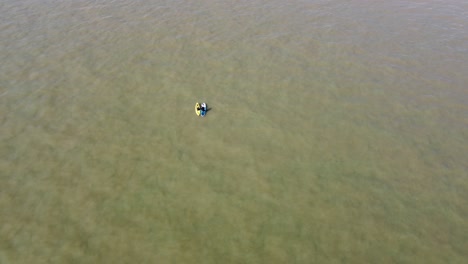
{"points": [[337, 131]]}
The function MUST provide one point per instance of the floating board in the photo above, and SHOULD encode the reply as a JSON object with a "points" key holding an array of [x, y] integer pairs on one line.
{"points": [[197, 105]]}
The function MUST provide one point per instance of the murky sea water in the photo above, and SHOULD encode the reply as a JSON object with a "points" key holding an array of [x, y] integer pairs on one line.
{"points": [[338, 131]]}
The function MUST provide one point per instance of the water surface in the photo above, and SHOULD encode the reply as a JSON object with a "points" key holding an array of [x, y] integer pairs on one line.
{"points": [[337, 134]]}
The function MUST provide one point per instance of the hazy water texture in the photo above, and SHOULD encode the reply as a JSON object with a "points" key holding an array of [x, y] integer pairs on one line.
{"points": [[338, 131]]}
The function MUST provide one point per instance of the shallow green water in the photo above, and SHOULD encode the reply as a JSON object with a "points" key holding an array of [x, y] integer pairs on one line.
{"points": [[337, 132]]}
